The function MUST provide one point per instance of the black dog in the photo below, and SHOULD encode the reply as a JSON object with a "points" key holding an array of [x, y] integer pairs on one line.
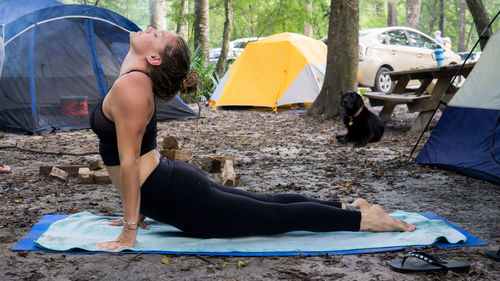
{"points": [[363, 126]]}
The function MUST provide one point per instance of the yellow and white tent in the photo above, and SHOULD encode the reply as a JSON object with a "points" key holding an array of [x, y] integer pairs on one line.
{"points": [[285, 68]]}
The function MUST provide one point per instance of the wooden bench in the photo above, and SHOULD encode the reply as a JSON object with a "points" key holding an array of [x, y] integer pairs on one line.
{"points": [[434, 82]]}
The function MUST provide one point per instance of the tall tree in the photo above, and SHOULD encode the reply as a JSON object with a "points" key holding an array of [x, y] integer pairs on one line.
{"points": [[441, 16], [228, 26], [308, 29], [342, 58], [392, 13], [481, 20], [413, 12], [432, 6], [201, 29], [181, 26], [461, 26], [157, 12]]}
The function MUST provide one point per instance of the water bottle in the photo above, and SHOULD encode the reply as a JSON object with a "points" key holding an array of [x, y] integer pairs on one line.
{"points": [[439, 57]]}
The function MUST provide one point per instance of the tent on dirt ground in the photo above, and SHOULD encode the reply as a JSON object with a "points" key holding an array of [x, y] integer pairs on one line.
{"points": [[467, 136], [281, 69], [59, 61]]}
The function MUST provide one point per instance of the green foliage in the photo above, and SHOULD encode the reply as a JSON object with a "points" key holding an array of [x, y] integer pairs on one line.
{"points": [[208, 79], [135, 10], [254, 18], [372, 13]]}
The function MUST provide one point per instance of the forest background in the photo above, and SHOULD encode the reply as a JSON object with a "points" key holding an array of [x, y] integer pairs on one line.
{"points": [[259, 18], [203, 23]]}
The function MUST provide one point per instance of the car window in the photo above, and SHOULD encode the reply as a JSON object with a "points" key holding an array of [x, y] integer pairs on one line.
{"points": [[382, 38], [397, 37], [418, 40], [240, 45]]}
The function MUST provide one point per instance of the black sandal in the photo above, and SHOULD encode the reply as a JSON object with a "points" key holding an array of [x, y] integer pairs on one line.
{"points": [[494, 255], [427, 263]]}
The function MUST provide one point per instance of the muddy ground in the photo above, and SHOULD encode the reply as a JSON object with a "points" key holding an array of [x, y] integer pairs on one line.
{"points": [[275, 152]]}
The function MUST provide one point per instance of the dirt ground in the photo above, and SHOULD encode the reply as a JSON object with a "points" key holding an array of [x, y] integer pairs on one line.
{"points": [[275, 152]]}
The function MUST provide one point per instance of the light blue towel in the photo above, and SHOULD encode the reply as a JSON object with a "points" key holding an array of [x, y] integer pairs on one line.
{"points": [[84, 230]]}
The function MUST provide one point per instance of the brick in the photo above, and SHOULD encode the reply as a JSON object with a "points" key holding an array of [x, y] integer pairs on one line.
{"points": [[58, 174], [170, 142], [176, 154], [214, 163], [85, 175], [101, 177], [228, 174]]}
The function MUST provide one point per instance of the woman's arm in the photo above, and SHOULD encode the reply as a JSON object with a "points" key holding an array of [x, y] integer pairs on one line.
{"points": [[131, 107]]}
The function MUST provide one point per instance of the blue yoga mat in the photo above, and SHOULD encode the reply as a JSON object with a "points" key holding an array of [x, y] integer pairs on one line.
{"points": [[76, 234]]}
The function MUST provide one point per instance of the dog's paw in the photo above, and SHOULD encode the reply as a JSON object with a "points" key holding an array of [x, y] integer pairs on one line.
{"points": [[359, 143], [342, 139]]}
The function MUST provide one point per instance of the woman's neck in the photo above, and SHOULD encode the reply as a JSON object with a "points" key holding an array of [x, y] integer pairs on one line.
{"points": [[132, 62]]}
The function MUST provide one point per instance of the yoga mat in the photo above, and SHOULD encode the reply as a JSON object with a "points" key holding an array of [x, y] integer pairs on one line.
{"points": [[72, 234]]}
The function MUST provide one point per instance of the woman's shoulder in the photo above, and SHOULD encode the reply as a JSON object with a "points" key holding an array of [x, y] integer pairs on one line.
{"points": [[132, 92], [135, 80]]}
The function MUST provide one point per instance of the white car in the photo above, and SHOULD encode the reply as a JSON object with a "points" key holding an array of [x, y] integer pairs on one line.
{"points": [[394, 49], [236, 47], [473, 57]]}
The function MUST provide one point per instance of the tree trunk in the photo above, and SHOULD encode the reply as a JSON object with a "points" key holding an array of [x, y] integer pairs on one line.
{"points": [[181, 27], [481, 20], [308, 29], [228, 26], [342, 58], [441, 17], [412, 13], [469, 35], [392, 13], [201, 29], [157, 12], [432, 21], [461, 26]]}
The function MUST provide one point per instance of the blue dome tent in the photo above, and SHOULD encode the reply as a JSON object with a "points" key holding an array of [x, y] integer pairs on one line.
{"points": [[59, 61], [467, 136]]}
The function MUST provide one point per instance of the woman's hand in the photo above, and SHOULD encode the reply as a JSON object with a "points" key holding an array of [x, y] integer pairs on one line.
{"points": [[125, 240], [141, 223]]}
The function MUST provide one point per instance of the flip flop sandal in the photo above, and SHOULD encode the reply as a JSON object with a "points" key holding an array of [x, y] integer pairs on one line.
{"points": [[494, 255], [427, 263]]}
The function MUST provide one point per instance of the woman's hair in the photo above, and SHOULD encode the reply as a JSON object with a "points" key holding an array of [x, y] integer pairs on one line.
{"points": [[173, 74]]}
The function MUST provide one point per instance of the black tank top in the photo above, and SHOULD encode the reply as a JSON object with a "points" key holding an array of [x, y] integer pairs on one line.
{"points": [[106, 131]]}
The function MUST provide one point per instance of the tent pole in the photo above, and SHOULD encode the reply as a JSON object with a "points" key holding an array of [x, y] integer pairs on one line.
{"points": [[442, 101]]}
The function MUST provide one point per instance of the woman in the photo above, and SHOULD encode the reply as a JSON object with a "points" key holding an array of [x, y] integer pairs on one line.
{"points": [[447, 43], [157, 66]]}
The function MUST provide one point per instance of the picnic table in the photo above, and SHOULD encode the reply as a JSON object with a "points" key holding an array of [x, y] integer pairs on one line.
{"points": [[434, 82]]}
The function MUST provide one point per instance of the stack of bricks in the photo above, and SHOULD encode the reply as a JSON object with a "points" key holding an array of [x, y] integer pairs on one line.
{"points": [[171, 150], [94, 172], [220, 164]]}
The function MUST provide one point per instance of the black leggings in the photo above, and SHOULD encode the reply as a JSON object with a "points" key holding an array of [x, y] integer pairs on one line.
{"points": [[180, 194]]}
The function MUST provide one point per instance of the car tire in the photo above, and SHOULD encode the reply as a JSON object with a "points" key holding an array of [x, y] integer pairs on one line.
{"points": [[383, 82]]}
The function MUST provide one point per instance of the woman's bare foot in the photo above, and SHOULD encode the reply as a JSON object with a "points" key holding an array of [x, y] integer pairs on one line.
{"points": [[377, 220], [361, 204]]}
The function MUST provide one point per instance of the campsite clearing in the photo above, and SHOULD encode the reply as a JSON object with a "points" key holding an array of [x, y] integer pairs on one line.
{"points": [[274, 152]]}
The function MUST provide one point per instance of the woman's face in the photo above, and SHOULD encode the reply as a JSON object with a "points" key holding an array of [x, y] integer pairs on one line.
{"points": [[151, 41]]}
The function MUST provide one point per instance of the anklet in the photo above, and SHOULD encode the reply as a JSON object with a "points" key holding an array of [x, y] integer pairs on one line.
{"points": [[126, 225], [351, 207]]}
